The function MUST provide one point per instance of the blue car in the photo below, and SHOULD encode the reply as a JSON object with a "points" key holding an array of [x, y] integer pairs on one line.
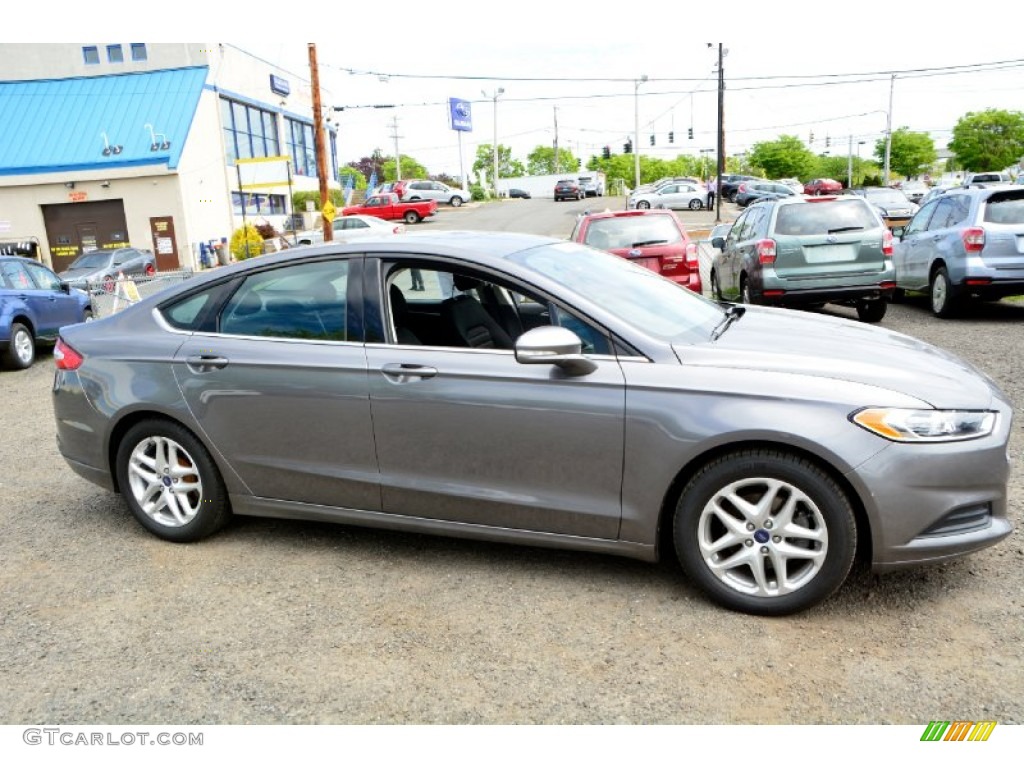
{"points": [[34, 305]]}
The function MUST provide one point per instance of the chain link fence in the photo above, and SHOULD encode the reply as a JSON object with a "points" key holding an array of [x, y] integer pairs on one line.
{"points": [[110, 296]]}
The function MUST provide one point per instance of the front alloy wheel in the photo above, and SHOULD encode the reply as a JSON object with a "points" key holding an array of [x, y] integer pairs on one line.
{"points": [[765, 532], [170, 482]]}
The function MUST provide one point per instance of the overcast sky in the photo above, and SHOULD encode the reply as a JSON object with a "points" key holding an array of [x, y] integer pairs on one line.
{"points": [[577, 63]]}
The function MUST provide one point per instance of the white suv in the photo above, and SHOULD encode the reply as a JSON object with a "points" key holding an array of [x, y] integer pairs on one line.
{"points": [[435, 190]]}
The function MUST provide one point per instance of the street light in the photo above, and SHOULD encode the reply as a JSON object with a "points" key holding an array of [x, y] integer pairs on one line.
{"points": [[497, 93], [636, 130]]}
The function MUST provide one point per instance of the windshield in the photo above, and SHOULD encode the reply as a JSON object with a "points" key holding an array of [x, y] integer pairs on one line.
{"points": [[94, 260], [632, 232], [637, 296]]}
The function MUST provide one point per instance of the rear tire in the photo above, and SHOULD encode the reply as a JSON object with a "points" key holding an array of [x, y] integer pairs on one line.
{"points": [[170, 482], [871, 310], [940, 294], [745, 295], [411, 217], [716, 289], [696, 205]]}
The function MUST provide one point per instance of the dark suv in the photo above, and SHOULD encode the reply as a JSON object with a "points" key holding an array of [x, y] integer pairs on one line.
{"points": [[800, 251], [967, 243]]}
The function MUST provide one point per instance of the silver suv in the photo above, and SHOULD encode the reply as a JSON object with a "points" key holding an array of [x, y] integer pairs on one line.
{"points": [[424, 189], [967, 243]]}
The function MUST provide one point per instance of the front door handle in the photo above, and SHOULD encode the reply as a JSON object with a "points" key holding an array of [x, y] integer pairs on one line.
{"points": [[205, 363], [403, 373]]}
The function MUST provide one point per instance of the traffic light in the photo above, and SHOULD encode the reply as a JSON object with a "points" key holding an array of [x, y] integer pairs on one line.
{"points": [[606, 153], [627, 148], [828, 141], [689, 133], [671, 137], [579, 163], [810, 138], [652, 139]]}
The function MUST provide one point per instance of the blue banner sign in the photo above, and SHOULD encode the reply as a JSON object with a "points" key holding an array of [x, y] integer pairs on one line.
{"points": [[460, 114]]}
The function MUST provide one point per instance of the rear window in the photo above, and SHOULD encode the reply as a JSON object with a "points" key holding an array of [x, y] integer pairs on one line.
{"points": [[813, 218], [632, 232], [1005, 209]]}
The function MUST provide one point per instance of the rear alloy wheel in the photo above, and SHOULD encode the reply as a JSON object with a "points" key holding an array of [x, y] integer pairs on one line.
{"points": [[696, 205], [871, 310], [745, 296], [940, 293], [643, 205], [411, 217], [765, 532], [21, 350], [170, 482]]}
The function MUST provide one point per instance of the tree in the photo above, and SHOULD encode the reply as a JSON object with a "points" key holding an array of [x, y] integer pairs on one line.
{"points": [[507, 167], [988, 141], [786, 157], [541, 161], [411, 169], [910, 152]]}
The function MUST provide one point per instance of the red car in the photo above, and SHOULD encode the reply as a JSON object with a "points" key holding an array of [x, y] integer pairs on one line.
{"points": [[822, 187], [653, 238]]}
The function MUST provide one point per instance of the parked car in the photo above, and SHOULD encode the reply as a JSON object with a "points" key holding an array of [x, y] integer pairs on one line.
{"points": [[731, 182], [822, 187], [752, 191], [987, 177], [34, 305], [103, 267], [914, 190], [667, 180], [521, 193], [593, 185], [568, 189], [671, 196], [807, 252], [937, 191], [892, 204], [388, 206], [424, 189], [654, 239], [795, 184], [966, 244], [352, 226], [551, 395]]}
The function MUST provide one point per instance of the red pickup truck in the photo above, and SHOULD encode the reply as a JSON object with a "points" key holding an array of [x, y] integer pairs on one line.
{"points": [[388, 206]]}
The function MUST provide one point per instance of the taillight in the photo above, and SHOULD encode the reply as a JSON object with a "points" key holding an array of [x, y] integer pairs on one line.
{"points": [[766, 251], [974, 239], [692, 258], [65, 357], [887, 243]]}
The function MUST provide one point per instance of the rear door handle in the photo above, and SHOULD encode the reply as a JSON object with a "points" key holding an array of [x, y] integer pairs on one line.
{"points": [[205, 363], [403, 373]]}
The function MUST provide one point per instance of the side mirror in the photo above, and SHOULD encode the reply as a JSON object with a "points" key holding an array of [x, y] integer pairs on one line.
{"points": [[551, 345], [65, 287], [718, 242]]}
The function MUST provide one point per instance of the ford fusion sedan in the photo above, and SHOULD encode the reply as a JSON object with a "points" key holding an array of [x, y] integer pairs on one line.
{"points": [[537, 392]]}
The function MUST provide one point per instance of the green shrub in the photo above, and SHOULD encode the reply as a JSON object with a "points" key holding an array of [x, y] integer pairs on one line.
{"points": [[243, 236], [477, 192]]}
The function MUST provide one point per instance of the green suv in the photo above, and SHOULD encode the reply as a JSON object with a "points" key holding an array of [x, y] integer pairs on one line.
{"points": [[806, 252]]}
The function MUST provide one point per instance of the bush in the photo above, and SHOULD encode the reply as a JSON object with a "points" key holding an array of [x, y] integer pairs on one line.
{"points": [[299, 199], [477, 192], [246, 235]]}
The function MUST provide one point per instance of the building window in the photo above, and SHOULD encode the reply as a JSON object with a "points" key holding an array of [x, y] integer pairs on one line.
{"points": [[91, 54], [139, 52], [114, 54], [258, 204], [248, 131], [301, 148]]}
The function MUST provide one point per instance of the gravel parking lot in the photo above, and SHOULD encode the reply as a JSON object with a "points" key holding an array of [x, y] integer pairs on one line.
{"points": [[282, 622]]}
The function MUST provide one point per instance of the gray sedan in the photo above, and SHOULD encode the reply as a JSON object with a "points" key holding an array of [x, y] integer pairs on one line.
{"points": [[103, 267], [537, 392]]}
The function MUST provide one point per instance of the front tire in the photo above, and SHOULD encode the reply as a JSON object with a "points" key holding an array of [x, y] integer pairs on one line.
{"points": [[871, 310], [456, 202], [170, 482], [21, 351], [643, 205], [765, 532]]}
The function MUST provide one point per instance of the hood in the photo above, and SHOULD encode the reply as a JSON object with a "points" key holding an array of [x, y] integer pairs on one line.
{"points": [[791, 341]]}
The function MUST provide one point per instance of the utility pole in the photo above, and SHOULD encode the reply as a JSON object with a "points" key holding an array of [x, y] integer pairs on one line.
{"points": [[721, 137], [556, 141], [849, 163], [888, 133], [318, 144], [398, 157]]}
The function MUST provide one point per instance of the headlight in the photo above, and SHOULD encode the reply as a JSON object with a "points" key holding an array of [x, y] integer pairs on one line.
{"points": [[907, 425]]}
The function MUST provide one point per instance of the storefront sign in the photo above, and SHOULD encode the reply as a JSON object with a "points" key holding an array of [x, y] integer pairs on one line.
{"points": [[279, 85]]}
